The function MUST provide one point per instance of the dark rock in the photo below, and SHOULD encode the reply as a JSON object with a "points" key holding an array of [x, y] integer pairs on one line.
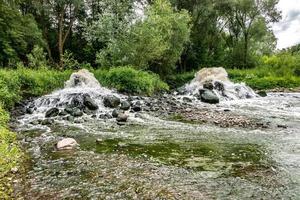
{"points": [[137, 106], [219, 86], [125, 105], [105, 116], [208, 85], [121, 123], [281, 126], [262, 93], [63, 113], [181, 90], [29, 111], [116, 112], [77, 101], [208, 96], [187, 99], [68, 110], [47, 122], [52, 112], [90, 103], [88, 111], [111, 101]]}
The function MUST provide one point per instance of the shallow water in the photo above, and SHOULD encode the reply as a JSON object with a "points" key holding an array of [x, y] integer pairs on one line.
{"points": [[149, 158]]}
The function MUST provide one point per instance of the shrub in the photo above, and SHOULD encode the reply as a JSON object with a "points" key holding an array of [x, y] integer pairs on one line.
{"points": [[37, 58], [178, 80], [129, 80]]}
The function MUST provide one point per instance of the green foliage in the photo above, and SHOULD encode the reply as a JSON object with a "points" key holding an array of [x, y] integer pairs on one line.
{"points": [[37, 58], [15, 84], [158, 40], [17, 32], [69, 62], [129, 80], [10, 155], [178, 80], [276, 71]]}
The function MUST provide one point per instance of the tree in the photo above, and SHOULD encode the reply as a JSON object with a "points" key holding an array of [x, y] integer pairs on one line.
{"points": [[153, 42], [16, 40], [242, 17]]}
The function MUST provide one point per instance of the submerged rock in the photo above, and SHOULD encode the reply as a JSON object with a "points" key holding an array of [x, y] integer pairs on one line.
{"points": [[66, 144], [52, 112], [111, 101], [208, 96]]}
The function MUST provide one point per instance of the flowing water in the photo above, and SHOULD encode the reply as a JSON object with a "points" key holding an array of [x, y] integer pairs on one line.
{"points": [[151, 158]]}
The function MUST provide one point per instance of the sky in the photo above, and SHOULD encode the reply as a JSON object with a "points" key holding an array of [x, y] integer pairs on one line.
{"points": [[287, 31]]}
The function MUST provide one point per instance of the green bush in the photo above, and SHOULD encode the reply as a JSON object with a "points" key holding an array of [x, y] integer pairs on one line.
{"points": [[130, 80], [20, 83], [178, 80]]}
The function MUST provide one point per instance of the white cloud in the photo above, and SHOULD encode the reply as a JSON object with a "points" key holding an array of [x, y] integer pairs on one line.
{"points": [[287, 31]]}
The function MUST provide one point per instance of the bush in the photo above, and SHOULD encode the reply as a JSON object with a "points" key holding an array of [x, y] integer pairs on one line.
{"points": [[178, 80], [129, 80], [16, 84]]}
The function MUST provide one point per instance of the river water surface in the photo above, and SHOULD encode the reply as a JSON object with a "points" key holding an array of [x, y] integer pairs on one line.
{"points": [[151, 158]]}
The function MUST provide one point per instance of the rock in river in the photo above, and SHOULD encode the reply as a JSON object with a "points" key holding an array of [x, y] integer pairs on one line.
{"points": [[66, 144], [125, 105], [208, 96], [111, 101], [52, 112], [122, 117], [90, 103]]}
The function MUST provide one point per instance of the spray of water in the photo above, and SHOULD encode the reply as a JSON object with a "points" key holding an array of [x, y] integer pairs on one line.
{"points": [[220, 83]]}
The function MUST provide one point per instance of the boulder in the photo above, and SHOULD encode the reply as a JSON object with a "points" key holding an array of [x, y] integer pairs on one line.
{"points": [[77, 112], [125, 105], [66, 144], [208, 96], [52, 112], [90, 103], [111, 101], [137, 106], [208, 85], [116, 112], [122, 117], [262, 93]]}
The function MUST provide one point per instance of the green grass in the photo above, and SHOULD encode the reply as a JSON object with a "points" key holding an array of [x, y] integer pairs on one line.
{"points": [[10, 156], [264, 78]]}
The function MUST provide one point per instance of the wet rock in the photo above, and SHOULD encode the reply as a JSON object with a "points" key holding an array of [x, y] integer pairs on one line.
{"points": [[66, 144], [52, 112], [125, 105], [90, 103], [68, 110], [77, 101], [187, 99], [47, 122], [122, 117], [208, 85], [105, 116], [116, 112], [29, 111], [262, 93], [111, 101], [69, 118], [219, 86], [282, 126], [208, 96], [88, 111], [137, 106], [121, 123], [62, 113], [77, 112]]}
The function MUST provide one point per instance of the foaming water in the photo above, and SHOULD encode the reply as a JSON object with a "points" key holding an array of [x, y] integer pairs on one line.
{"points": [[80, 83], [222, 86]]}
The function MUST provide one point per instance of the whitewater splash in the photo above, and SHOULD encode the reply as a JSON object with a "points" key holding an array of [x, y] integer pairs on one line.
{"points": [[80, 85], [216, 79]]}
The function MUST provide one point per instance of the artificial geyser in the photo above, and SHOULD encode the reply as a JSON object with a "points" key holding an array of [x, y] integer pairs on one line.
{"points": [[212, 139]]}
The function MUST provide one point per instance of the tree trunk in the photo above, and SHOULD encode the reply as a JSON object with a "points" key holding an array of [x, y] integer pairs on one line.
{"points": [[60, 38], [245, 60]]}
